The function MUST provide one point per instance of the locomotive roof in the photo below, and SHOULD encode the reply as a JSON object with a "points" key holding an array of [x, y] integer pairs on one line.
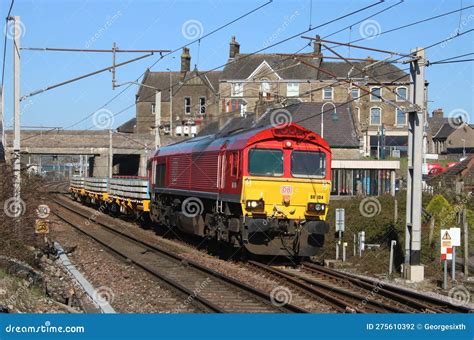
{"points": [[238, 139]]}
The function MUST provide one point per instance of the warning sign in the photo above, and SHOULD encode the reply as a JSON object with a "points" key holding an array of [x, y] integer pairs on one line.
{"points": [[446, 245], [42, 226]]}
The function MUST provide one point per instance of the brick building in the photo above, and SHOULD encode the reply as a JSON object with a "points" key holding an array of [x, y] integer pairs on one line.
{"points": [[187, 97], [253, 82], [448, 138]]}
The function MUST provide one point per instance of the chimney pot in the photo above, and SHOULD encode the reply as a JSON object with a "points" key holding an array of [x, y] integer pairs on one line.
{"points": [[317, 46], [439, 113], [234, 47], [185, 60]]}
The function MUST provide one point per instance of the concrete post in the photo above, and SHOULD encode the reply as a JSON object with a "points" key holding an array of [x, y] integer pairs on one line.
{"points": [[414, 271], [16, 109]]}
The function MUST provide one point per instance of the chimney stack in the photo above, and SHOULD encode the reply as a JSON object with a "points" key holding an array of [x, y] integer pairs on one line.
{"points": [[185, 60], [317, 47], [438, 113], [234, 48]]}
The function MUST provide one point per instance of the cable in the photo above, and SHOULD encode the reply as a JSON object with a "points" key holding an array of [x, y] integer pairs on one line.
{"points": [[446, 40], [451, 62], [5, 41], [269, 46], [362, 20], [174, 51], [456, 57], [414, 23]]}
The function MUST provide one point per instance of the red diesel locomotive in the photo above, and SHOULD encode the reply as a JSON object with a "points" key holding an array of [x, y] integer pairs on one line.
{"points": [[266, 189]]}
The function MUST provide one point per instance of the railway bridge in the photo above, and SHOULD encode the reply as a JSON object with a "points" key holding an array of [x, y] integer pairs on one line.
{"points": [[87, 147]]}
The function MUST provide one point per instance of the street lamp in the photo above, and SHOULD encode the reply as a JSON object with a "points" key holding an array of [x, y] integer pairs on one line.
{"points": [[322, 116], [463, 148]]}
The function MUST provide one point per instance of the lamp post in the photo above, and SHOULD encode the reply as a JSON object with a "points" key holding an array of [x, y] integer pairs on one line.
{"points": [[322, 116], [463, 148]]}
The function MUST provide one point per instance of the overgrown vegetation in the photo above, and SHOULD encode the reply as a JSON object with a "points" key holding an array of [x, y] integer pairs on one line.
{"points": [[387, 225], [17, 233]]}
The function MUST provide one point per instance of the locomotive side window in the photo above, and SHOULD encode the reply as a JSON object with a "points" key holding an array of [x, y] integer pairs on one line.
{"points": [[160, 175], [235, 164], [265, 162], [308, 164]]}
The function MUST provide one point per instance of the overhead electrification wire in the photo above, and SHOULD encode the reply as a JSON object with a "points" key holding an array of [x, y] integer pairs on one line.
{"points": [[171, 52], [451, 62], [414, 23], [5, 41], [451, 58], [269, 46]]}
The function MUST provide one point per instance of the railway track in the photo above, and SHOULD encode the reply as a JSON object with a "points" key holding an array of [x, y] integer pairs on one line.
{"points": [[421, 302], [210, 290], [312, 284], [350, 293]]}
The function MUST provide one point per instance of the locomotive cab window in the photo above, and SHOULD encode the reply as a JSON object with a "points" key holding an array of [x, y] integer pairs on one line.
{"points": [[265, 162], [308, 164], [234, 164], [160, 175]]}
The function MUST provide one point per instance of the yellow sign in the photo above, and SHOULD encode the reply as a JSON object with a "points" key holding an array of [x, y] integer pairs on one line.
{"points": [[42, 226]]}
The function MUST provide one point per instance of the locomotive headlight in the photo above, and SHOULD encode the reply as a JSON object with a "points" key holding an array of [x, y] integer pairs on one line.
{"points": [[316, 207], [254, 204]]}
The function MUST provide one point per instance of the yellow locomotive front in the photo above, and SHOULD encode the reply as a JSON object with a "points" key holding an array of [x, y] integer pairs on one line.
{"points": [[285, 195]]}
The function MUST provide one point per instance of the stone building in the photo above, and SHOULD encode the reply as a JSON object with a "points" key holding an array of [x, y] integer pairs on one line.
{"points": [[448, 138], [253, 82], [187, 97]]}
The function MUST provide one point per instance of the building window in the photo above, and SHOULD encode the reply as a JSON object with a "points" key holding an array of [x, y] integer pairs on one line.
{"points": [[265, 86], [355, 92], [327, 93], [187, 105], [401, 94], [153, 108], [292, 90], [375, 116], [375, 94], [401, 117], [202, 105], [237, 89]]}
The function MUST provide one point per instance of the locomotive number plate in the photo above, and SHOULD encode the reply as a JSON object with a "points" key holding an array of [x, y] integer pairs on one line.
{"points": [[286, 190]]}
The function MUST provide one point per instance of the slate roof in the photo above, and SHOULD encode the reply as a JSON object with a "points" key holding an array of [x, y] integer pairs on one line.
{"points": [[385, 72], [339, 129], [128, 126], [161, 80], [435, 124], [444, 131], [243, 65]]}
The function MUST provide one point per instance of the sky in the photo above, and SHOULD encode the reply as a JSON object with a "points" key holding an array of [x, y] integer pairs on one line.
{"points": [[170, 24]]}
